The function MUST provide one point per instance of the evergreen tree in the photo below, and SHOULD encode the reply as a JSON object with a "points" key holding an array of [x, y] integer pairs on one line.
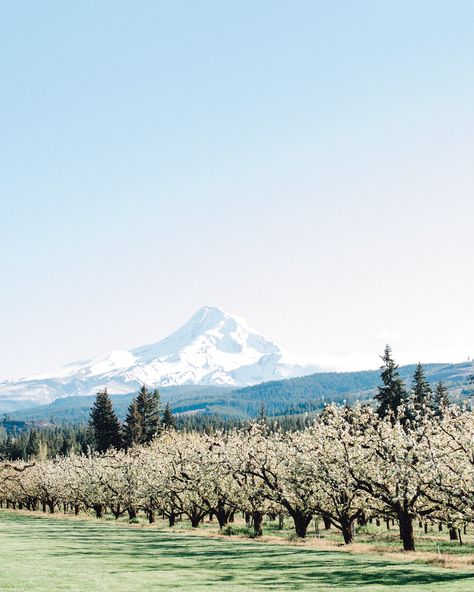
{"points": [[132, 427], [148, 408], [440, 400], [32, 446], [421, 390], [67, 445], [393, 394], [168, 420], [262, 413], [155, 416], [104, 424]]}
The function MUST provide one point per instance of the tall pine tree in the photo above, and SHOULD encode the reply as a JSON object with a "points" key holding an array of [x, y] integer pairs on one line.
{"points": [[33, 445], [440, 401], [168, 420], [104, 424], [421, 390], [393, 394], [132, 427], [148, 408]]}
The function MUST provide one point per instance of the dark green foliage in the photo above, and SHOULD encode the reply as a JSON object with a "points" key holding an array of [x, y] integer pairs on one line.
{"points": [[168, 419], [56, 440], [32, 445], [421, 390], [14, 448], [440, 400], [104, 424], [148, 408], [143, 420], [393, 394], [132, 427]]}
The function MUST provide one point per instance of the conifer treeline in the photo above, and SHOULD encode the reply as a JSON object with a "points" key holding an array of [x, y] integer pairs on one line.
{"points": [[394, 398], [145, 418], [143, 422]]}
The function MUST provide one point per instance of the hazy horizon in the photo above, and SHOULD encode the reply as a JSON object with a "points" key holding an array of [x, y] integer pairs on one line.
{"points": [[306, 167], [352, 362]]}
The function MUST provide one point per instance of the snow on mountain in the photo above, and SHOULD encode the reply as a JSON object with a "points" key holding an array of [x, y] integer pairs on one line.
{"points": [[212, 348]]}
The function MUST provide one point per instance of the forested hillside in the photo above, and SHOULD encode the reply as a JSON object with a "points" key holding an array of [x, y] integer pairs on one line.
{"points": [[282, 397]]}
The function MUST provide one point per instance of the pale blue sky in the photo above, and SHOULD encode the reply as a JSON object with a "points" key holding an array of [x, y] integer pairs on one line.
{"points": [[305, 165]]}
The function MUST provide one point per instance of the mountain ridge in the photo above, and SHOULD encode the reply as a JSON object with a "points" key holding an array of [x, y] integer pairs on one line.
{"points": [[212, 348], [290, 396]]}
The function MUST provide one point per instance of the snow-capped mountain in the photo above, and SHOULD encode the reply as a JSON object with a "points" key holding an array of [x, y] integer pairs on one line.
{"points": [[212, 348]]}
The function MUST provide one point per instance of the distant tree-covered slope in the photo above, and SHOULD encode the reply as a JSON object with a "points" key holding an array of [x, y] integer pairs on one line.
{"points": [[282, 397], [77, 409], [311, 392]]}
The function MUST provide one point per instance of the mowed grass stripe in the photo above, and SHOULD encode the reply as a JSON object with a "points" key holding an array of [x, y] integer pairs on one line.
{"points": [[43, 554]]}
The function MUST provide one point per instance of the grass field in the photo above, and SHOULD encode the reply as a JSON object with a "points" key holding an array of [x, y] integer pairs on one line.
{"points": [[54, 555]]}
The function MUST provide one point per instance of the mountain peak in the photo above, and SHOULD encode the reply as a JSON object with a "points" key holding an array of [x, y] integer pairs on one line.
{"points": [[207, 315], [211, 311], [212, 347]]}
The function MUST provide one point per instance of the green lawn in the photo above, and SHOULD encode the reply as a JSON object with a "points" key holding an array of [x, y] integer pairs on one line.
{"points": [[43, 554]]}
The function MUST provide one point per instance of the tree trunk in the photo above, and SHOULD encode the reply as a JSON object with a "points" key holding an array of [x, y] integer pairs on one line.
{"points": [[257, 523], [387, 523], [301, 522], [151, 516], [196, 516], [347, 529], [195, 520], [281, 521], [453, 533], [327, 522], [76, 510], [221, 512], [222, 516], [362, 519], [405, 522], [99, 510], [172, 519]]}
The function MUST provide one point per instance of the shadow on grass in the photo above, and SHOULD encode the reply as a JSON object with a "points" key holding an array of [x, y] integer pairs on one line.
{"points": [[213, 560]]}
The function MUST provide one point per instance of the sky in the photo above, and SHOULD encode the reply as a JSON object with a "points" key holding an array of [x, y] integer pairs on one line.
{"points": [[306, 165]]}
